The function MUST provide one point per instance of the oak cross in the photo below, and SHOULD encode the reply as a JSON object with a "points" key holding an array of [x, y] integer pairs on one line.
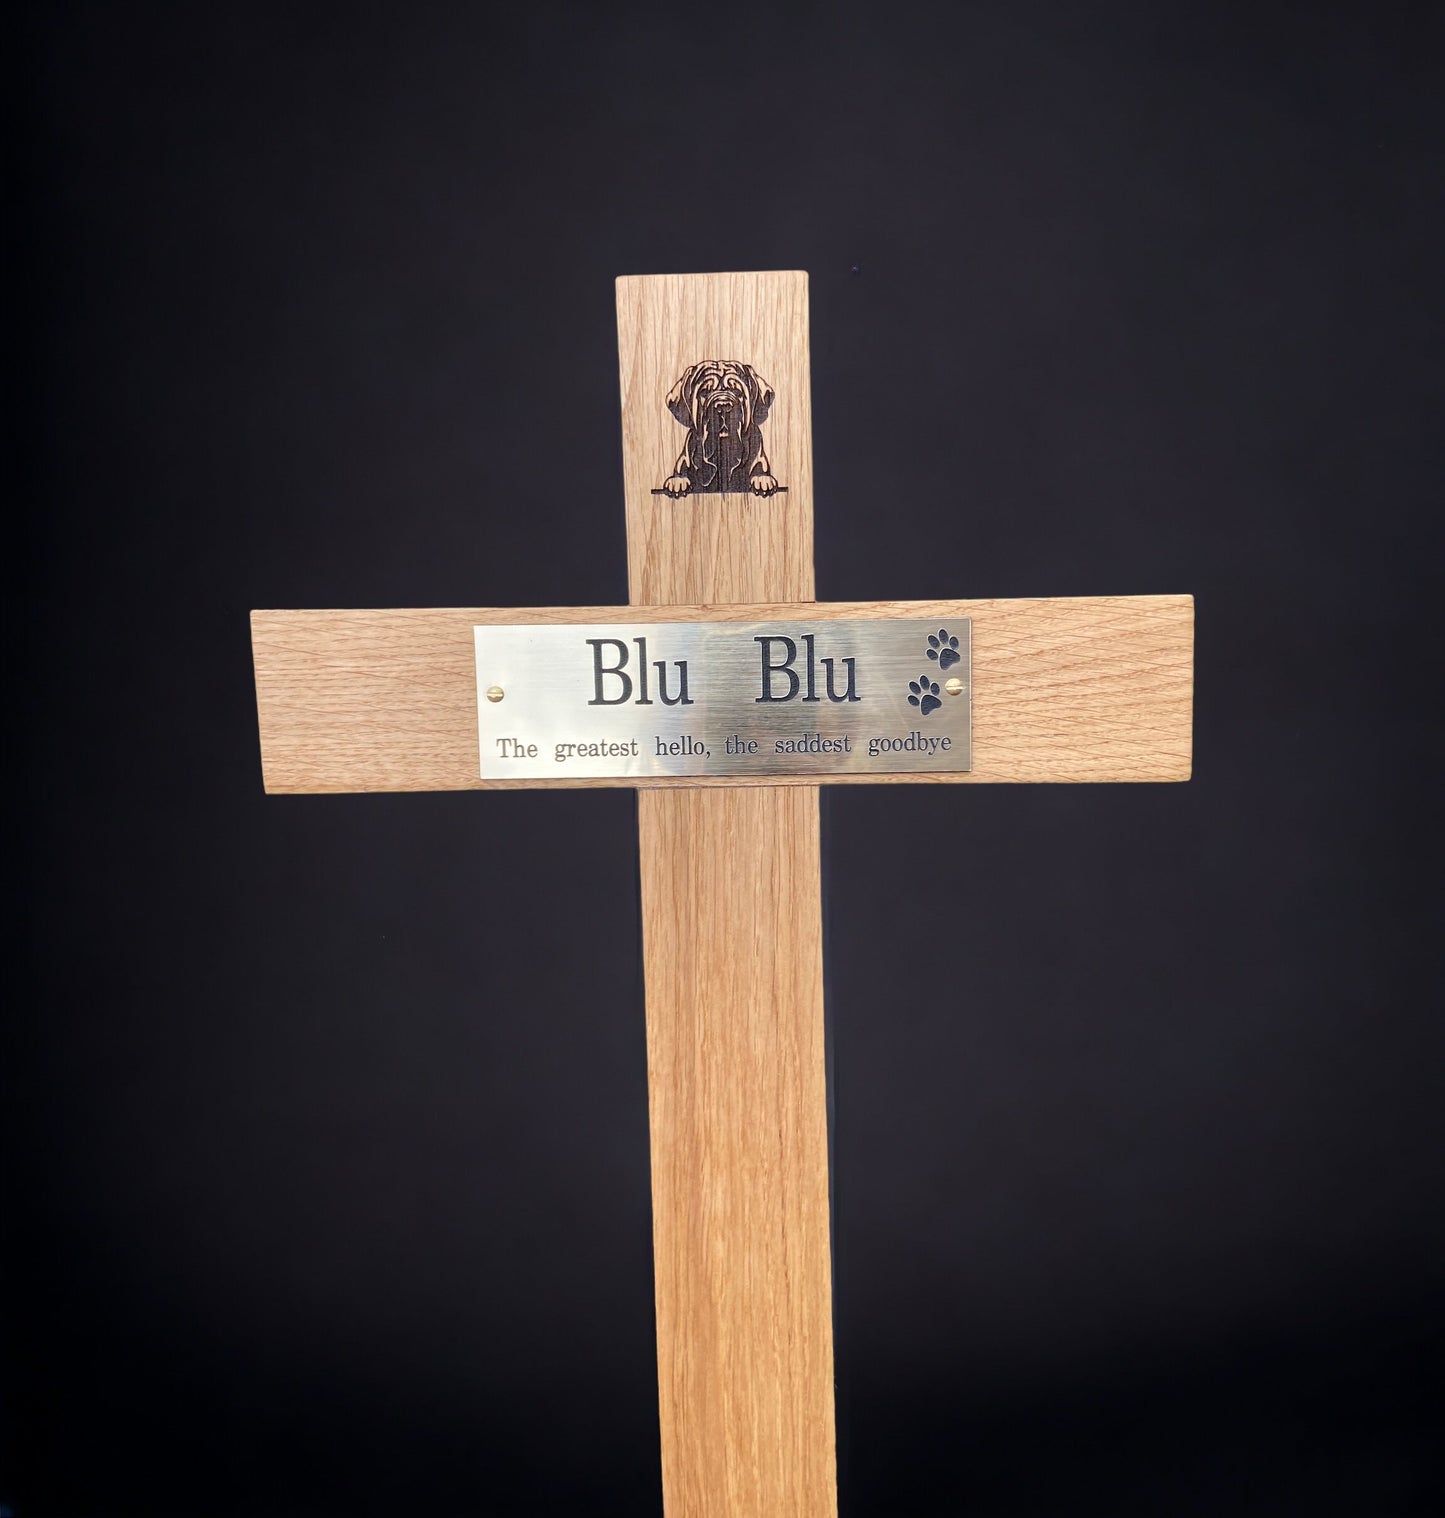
{"points": [[720, 530]]}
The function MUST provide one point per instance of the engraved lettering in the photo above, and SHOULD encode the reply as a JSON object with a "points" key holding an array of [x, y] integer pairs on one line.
{"points": [[809, 641], [599, 670], [682, 698], [770, 669], [814, 743], [643, 699], [850, 694], [565, 751], [914, 743]]}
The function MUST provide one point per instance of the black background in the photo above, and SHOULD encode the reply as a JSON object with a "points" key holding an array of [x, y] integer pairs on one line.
{"points": [[325, 1118]]}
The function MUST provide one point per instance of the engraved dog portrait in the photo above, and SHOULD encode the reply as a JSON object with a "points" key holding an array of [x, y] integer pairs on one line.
{"points": [[723, 405]]}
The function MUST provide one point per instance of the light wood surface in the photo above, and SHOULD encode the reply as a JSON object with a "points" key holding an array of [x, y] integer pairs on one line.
{"points": [[1087, 689], [666, 322], [732, 946], [732, 938], [1092, 688]]}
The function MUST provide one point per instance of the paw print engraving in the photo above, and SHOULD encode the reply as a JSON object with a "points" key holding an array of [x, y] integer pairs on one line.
{"points": [[924, 694], [943, 648]]}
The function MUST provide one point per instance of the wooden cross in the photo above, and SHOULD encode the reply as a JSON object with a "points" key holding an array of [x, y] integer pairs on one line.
{"points": [[1096, 688]]}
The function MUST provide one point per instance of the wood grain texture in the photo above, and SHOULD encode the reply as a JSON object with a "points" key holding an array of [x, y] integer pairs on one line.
{"points": [[732, 945], [732, 937], [1092, 688], [1080, 689], [732, 941], [665, 322]]}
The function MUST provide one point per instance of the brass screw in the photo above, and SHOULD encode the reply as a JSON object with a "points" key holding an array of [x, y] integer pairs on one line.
{"points": [[495, 693], [954, 687]]}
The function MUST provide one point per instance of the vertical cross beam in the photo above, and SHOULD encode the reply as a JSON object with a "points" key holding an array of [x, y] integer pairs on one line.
{"points": [[733, 955]]}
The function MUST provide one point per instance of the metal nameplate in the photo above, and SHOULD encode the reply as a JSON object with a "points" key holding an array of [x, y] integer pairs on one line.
{"points": [[641, 699]]}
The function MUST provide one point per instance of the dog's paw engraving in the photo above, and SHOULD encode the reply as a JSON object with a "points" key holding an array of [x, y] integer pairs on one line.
{"points": [[943, 648], [924, 694], [723, 404]]}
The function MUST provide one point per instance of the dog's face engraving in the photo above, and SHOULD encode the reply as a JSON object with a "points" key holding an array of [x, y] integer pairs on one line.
{"points": [[718, 391], [723, 404]]}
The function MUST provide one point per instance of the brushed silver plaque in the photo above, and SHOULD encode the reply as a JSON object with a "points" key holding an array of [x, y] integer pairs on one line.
{"points": [[638, 699]]}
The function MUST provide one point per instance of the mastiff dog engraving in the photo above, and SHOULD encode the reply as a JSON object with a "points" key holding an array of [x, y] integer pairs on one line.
{"points": [[723, 405]]}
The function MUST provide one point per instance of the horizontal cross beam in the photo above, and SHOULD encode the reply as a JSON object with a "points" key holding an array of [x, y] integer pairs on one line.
{"points": [[1088, 688]]}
